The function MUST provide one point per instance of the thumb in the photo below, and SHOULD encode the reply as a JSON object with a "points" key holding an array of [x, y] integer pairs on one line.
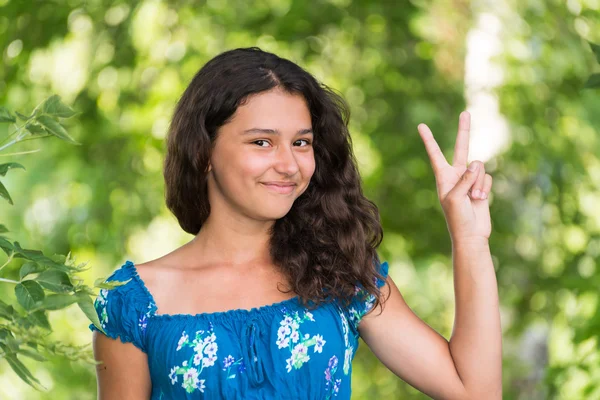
{"points": [[468, 179]]}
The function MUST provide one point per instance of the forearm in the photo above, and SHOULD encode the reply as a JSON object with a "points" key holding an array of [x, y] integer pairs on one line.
{"points": [[476, 342]]}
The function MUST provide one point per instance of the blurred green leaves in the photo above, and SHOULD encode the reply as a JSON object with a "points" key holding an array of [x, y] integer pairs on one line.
{"points": [[44, 283], [594, 81]]}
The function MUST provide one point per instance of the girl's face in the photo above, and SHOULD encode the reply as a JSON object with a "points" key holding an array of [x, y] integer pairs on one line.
{"points": [[267, 143]]}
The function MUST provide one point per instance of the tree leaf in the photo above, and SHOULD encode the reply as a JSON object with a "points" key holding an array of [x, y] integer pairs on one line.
{"points": [[32, 354], [22, 371], [35, 129], [54, 107], [6, 311], [22, 116], [30, 267], [101, 283], [86, 304], [55, 281], [53, 127], [3, 228], [58, 301], [593, 82], [28, 293], [4, 193], [6, 115], [40, 318], [6, 166]]}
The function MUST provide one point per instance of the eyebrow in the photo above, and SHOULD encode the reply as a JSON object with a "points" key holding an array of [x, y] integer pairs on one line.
{"points": [[275, 131]]}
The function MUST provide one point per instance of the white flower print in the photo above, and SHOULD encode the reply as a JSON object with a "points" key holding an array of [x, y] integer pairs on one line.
{"points": [[349, 349], [209, 361], [210, 339], [283, 342], [289, 337], [197, 359], [299, 355], [205, 349], [295, 336], [102, 296], [211, 349], [190, 380], [173, 375], [348, 359], [319, 343], [229, 362], [182, 341]]}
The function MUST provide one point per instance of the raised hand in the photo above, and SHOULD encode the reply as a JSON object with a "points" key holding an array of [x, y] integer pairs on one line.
{"points": [[463, 192]]}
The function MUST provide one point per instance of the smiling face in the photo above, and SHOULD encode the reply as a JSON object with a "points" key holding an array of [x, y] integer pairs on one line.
{"points": [[263, 158]]}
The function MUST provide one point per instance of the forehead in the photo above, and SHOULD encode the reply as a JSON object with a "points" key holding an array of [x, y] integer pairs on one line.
{"points": [[273, 109]]}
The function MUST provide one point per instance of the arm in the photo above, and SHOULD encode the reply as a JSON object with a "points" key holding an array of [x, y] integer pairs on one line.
{"points": [[123, 373], [469, 366]]}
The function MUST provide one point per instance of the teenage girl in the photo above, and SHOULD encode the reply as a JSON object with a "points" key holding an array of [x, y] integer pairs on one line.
{"points": [[270, 297]]}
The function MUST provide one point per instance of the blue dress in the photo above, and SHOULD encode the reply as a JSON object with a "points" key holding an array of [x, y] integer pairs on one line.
{"points": [[277, 351]]}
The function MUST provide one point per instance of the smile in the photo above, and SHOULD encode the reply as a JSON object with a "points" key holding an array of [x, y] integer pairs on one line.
{"points": [[280, 189]]}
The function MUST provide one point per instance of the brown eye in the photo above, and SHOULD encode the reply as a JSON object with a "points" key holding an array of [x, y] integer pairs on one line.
{"points": [[259, 141], [308, 142]]}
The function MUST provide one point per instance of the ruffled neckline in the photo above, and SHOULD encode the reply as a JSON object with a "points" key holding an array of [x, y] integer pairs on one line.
{"points": [[237, 313]]}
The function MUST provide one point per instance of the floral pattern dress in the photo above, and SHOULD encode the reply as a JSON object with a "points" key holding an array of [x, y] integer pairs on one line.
{"points": [[278, 351]]}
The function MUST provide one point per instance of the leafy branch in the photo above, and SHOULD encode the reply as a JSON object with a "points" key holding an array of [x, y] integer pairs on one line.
{"points": [[44, 283]]}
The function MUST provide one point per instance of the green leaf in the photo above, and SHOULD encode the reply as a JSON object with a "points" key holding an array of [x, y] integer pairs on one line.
{"points": [[35, 129], [3, 228], [6, 246], [54, 107], [22, 117], [39, 318], [28, 293], [593, 82], [53, 127], [6, 311], [6, 166], [596, 50], [22, 371], [4, 193], [30, 267], [101, 283], [86, 304], [6, 115], [58, 301], [55, 281], [32, 354]]}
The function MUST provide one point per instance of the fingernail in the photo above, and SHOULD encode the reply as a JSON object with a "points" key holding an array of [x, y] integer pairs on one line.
{"points": [[476, 193], [473, 167], [484, 195]]}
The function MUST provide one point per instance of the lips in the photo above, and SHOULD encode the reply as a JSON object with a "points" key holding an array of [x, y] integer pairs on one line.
{"points": [[283, 188]]}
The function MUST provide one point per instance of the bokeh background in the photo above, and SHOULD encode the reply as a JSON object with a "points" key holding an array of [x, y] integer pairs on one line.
{"points": [[517, 65]]}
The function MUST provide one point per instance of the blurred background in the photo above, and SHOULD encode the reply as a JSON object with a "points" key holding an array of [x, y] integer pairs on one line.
{"points": [[517, 65]]}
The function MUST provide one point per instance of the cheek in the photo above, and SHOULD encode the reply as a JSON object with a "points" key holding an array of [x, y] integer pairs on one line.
{"points": [[308, 167]]}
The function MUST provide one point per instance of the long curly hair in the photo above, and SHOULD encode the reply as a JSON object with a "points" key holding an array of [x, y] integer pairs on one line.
{"points": [[326, 244]]}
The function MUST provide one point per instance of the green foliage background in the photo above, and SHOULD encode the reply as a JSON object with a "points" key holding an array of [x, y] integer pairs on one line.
{"points": [[123, 65]]}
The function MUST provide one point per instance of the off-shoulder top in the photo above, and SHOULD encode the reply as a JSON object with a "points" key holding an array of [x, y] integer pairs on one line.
{"points": [[278, 351]]}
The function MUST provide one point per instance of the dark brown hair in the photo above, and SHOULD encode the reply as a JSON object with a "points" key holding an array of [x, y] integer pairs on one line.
{"points": [[326, 243]]}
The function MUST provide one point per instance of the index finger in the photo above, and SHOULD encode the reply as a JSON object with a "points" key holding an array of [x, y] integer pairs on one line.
{"points": [[438, 161]]}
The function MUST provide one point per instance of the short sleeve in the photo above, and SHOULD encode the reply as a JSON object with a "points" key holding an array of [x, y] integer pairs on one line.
{"points": [[363, 302], [124, 310]]}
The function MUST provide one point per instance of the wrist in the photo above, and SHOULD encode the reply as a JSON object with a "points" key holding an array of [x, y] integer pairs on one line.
{"points": [[471, 243]]}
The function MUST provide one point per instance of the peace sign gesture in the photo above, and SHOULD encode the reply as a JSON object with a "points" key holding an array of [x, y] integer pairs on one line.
{"points": [[463, 192]]}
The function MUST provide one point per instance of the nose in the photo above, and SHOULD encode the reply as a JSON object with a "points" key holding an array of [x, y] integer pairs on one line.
{"points": [[285, 161]]}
